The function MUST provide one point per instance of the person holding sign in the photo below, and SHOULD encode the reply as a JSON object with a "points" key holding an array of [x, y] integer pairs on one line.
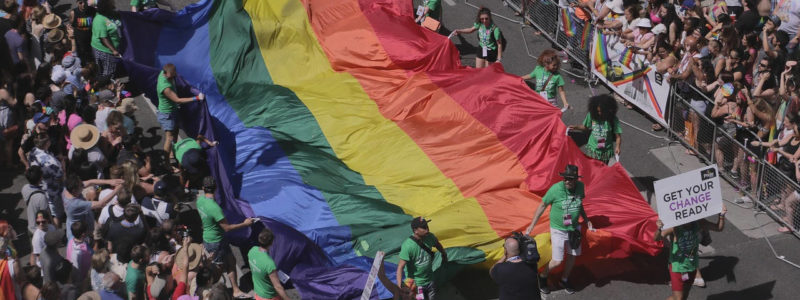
{"points": [[566, 198], [683, 255], [547, 80], [490, 39], [416, 256], [602, 123]]}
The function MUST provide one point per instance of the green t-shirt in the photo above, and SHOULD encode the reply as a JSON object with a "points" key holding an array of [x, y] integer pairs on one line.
{"points": [[540, 75], [601, 141], [210, 214], [433, 8], [683, 255], [103, 27], [134, 281], [144, 3], [485, 36], [184, 145], [164, 104], [419, 264], [261, 264], [562, 202]]}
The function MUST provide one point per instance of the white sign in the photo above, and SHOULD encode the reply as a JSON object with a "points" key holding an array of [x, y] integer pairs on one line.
{"points": [[373, 272], [690, 196]]}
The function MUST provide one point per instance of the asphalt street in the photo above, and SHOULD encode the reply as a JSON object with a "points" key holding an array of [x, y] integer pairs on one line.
{"points": [[740, 266]]}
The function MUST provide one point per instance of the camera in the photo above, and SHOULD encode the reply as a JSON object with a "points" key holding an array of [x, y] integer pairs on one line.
{"points": [[184, 231]]}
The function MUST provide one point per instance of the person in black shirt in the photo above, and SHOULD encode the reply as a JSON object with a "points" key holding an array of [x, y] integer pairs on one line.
{"points": [[516, 279], [81, 20]]}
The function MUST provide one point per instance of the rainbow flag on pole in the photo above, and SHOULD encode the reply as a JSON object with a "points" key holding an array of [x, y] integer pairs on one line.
{"points": [[626, 57], [587, 31], [336, 128]]}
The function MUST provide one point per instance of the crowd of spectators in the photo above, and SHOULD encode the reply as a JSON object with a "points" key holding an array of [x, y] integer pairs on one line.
{"points": [[123, 211]]}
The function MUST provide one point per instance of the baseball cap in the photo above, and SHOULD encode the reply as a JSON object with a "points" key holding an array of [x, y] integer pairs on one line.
{"points": [[53, 238], [107, 96], [160, 188], [40, 118], [419, 222]]}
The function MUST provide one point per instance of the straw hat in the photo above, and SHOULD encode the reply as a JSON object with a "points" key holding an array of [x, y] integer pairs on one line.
{"points": [[84, 136], [55, 36], [195, 253], [51, 21], [90, 295]]}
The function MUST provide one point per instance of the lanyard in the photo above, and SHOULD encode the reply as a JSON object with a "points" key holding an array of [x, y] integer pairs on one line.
{"points": [[485, 36]]}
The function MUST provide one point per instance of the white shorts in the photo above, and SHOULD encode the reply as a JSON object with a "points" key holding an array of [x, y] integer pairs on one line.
{"points": [[559, 241]]}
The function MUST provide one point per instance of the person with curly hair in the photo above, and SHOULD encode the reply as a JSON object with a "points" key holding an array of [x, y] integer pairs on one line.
{"points": [[547, 80], [490, 39], [602, 124]]}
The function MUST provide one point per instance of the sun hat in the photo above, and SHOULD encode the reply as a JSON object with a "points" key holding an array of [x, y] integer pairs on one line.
{"points": [[644, 22], [84, 136], [193, 253], [90, 295], [55, 35], [571, 171], [51, 21]]}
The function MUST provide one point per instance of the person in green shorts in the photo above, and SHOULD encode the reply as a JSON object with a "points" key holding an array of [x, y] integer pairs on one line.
{"points": [[266, 283], [141, 5], [106, 36], [547, 80], [430, 8], [168, 102], [490, 39], [214, 227], [605, 139], [417, 257], [683, 256], [565, 199]]}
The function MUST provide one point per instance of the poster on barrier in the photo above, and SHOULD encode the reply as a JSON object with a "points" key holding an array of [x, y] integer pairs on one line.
{"points": [[630, 75], [690, 196]]}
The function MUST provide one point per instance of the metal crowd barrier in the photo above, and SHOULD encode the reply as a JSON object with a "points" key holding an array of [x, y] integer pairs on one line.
{"points": [[768, 188]]}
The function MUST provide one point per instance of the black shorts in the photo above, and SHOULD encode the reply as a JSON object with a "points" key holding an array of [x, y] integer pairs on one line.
{"points": [[491, 55]]}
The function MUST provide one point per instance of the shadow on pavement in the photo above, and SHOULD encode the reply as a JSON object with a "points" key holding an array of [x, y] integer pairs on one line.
{"points": [[757, 292], [720, 266]]}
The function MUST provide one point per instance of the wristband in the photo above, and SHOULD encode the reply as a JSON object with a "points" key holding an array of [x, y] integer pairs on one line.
{"points": [[196, 98]]}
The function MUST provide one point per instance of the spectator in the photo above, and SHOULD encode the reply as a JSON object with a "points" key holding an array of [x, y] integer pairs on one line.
{"points": [[516, 279], [79, 253], [125, 228], [548, 80], [490, 39], [8, 129], [32, 283], [50, 291], [266, 283], [107, 103], [77, 208], [86, 136], [605, 139], [63, 273], [100, 266], [214, 227], [168, 104], [416, 259], [38, 243], [50, 256], [52, 171], [81, 18], [683, 254], [127, 107], [35, 196], [565, 199], [134, 278], [158, 208]]}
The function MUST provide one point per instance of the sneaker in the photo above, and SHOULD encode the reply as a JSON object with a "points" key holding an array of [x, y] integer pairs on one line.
{"points": [[567, 287], [734, 175], [699, 282], [543, 286]]}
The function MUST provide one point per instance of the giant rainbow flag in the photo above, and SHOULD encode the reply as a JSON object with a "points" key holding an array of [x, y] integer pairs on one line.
{"points": [[339, 121]]}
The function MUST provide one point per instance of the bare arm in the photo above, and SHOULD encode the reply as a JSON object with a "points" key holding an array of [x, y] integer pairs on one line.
{"points": [[536, 216], [662, 234], [720, 222], [100, 204], [401, 264], [172, 96], [563, 95], [106, 42], [228, 227], [276, 283]]}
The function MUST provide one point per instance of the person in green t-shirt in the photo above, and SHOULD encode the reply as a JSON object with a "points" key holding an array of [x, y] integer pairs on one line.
{"points": [[683, 256], [106, 37], [418, 260], [430, 8], [214, 227], [266, 283], [605, 134], [547, 80], [134, 275], [140, 5], [490, 39], [565, 199], [168, 101]]}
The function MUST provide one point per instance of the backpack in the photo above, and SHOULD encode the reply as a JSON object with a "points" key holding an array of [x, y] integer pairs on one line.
{"points": [[527, 248], [36, 191]]}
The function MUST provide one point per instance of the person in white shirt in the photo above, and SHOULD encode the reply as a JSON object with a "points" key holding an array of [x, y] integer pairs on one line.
{"points": [[42, 227]]}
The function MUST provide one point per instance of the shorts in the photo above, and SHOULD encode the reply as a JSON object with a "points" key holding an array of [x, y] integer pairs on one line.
{"points": [[677, 282], [699, 106], [168, 121], [491, 55], [218, 251], [559, 240]]}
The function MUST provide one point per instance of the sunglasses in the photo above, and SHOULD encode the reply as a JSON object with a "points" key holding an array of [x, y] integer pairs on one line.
{"points": [[763, 66], [484, 19], [41, 222]]}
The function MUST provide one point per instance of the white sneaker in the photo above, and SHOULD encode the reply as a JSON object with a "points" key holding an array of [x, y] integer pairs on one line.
{"points": [[699, 282]]}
